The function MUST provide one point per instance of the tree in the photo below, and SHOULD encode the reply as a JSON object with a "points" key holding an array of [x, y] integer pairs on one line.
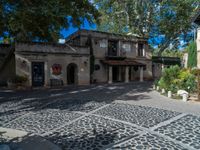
{"points": [[192, 55], [170, 53], [42, 19], [166, 20]]}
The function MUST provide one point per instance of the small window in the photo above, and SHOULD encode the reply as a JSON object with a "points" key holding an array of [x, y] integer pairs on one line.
{"points": [[96, 67], [126, 47], [141, 50], [103, 44]]}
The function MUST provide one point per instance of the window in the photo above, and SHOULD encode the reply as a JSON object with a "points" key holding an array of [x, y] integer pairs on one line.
{"points": [[112, 48], [141, 52], [126, 47], [103, 44]]}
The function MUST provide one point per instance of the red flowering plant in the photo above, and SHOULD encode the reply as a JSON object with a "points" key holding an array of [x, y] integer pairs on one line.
{"points": [[56, 69]]}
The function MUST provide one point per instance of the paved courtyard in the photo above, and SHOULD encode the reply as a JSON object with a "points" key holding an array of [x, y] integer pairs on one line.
{"points": [[117, 116]]}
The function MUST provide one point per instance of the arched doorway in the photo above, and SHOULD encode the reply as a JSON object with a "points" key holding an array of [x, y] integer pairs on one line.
{"points": [[72, 74]]}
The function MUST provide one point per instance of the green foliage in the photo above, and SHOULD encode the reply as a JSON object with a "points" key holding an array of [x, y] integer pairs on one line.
{"points": [[187, 81], [43, 19], [192, 55], [148, 18], [174, 79], [173, 53], [19, 79], [169, 75]]}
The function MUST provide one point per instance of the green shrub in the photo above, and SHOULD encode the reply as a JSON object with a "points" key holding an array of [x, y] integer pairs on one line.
{"points": [[187, 81], [174, 78], [168, 79], [19, 79]]}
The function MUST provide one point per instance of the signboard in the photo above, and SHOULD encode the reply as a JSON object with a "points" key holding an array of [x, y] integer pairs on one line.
{"points": [[56, 71]]}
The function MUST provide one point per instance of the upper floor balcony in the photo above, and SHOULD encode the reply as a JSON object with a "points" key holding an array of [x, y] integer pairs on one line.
{"points": [[115, 55]]}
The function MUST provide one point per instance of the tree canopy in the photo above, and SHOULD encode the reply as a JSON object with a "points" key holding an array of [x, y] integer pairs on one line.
{"points": [[43, 19], [166, 20]]}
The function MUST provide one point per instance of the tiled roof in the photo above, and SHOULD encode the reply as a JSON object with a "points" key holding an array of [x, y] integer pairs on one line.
{"points": [[126, 62], [91, 32]]}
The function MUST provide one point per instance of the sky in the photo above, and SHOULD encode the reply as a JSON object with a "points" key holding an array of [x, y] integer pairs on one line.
{"points": [[65, 33]]}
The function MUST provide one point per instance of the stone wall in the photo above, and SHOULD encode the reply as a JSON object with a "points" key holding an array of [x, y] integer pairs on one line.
{"points": [[8, 71]]}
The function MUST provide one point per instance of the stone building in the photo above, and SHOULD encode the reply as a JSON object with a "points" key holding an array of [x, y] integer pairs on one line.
{"points": [[116, 57], [197, 21], [46, 64], [87, 56]]}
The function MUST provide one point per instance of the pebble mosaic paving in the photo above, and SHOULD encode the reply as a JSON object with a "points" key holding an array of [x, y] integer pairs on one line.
{"points": [[6, 117], [185, 130], [14, 109], [148, 142], [42, 121], [143, 116], [76, 105], [91, 133], [81, 120]]}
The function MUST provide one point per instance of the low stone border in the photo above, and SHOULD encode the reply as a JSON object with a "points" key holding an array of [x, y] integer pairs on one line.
{"points": [[169, 94], [15, 139]]}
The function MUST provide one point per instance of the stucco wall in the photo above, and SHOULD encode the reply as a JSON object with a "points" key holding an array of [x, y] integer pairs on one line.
{"points": [[100, 75], [198, 47], [100, 50], [26, 54], [157, 70]]}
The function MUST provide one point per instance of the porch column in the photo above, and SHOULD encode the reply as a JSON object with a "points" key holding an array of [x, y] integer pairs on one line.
{"points": [[120, 74], [198, 48], [110, 75], [127, 74], [141, 74], [162, 66]]}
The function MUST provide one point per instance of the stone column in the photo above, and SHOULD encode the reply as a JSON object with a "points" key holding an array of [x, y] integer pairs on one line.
{"points": [[110, 75], [162, 66], [141, 74], [127, 74], [46, 81], [119, 49], [198, 48]]}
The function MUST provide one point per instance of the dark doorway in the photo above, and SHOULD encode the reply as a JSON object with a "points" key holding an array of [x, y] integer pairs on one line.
{"points": [[112, 48], [115, 73], [72, 74], [37, 73]]}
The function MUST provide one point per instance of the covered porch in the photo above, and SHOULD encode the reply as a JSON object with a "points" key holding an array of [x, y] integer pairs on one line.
{"points": [[124, 70]]}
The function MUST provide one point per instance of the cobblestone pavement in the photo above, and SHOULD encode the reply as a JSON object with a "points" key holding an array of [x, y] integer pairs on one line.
{"points": [[89, 118]]}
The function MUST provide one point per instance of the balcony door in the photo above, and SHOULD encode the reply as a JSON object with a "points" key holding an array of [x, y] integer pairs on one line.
{"points": [[112, 48]]}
